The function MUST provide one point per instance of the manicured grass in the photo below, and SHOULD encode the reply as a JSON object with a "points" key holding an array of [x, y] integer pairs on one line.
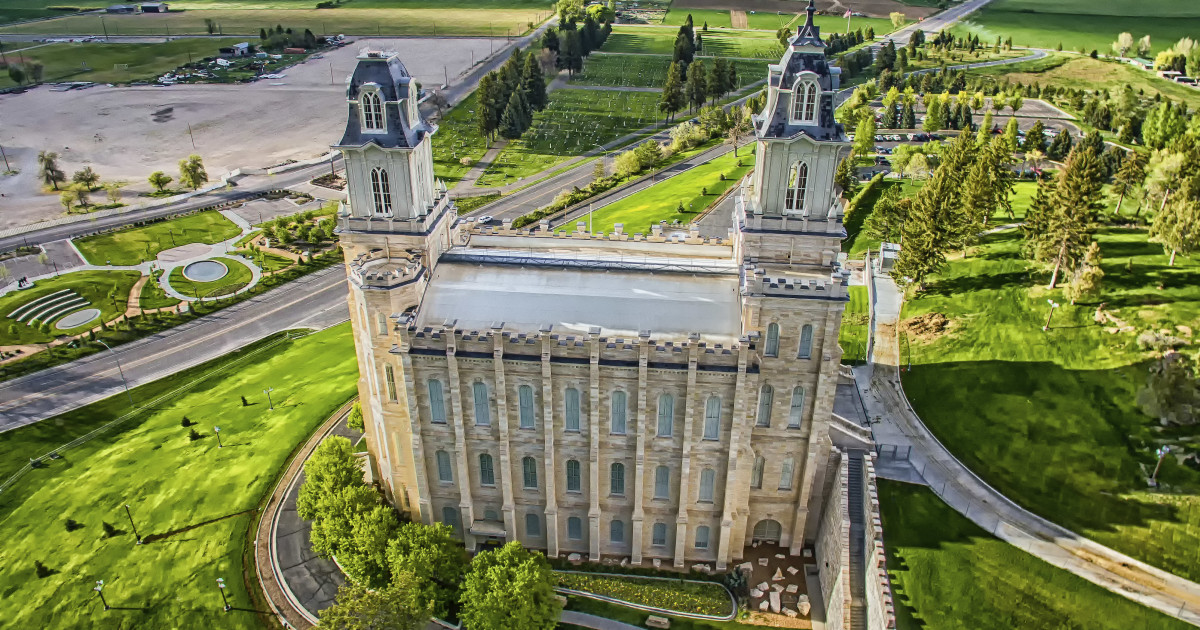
{"points": [[105, 290], [660, 202], [1083, 24], [239, 276], [153, 296], [651, 71], [1050, 418], [852, 336], [573, 123], [192, 501], [457, 137], [716, 18], [137, 245], [97, 61], [661, 41], [638, 617], [471, 204], [703, 598], [266, 261], [947, 572]]}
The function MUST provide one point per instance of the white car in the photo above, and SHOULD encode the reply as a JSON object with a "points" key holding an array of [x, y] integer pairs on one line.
{"points": [[487, 218]]}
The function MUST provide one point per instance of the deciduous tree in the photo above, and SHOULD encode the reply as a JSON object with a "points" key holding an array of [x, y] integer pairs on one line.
{"points": [[436, 561], [510, 587], [1086, 282], [1177, 226], [48, 168], [192, 173], [395, 607], [86, 177], [159, 180], [331, 467], [1131, 175]]}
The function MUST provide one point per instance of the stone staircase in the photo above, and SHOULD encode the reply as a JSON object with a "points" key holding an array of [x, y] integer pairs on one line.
{"points": [[858, 585]]}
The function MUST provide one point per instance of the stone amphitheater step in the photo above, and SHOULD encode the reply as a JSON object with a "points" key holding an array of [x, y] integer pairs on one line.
{"points": [[46, 307], [24, 308], [64, 309]]}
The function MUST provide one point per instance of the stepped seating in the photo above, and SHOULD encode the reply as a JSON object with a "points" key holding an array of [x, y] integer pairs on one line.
{"points": [[22, 311], [48, 307], [63, 310]]}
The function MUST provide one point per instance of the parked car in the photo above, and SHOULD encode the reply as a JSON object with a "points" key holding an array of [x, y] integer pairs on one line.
{"points": [[487, 218]]}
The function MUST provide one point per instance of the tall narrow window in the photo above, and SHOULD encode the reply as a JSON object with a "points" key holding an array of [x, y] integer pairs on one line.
{"points": [[756, 475], [437, 404], [616, 531], [707, 479], [443, 466], [389, 375], [796, 412], [483, 415], [381, 323], [666, 415], [772, 347], [797, 188], [575, 528], [529, 468], [786, 473], [805, 342], [662, 482], [618, 412], [804, 101], [616, 480], [450, 517], [571, 402], [525, 397], [533, 526], [487, 474], [573, 482], [372, 111], [658, 535], [702, 537], [712, 418], [766, 396], [381, 191]]}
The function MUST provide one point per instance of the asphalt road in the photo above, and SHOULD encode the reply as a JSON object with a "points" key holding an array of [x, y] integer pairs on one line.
{"points": [[314, 301]]}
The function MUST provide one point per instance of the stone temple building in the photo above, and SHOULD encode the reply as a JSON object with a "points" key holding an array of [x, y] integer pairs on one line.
{"points": [[646, 396]]}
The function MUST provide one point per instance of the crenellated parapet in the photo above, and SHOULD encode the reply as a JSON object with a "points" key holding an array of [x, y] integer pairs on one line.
{"points": [[760, 281]]}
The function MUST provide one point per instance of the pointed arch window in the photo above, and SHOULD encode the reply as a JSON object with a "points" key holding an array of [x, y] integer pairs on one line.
{"points": [[797, 188], [390, 376], [571, 404], [707, 481], [662, 482], [372, 112], [712, 418], [529, 468], [618, 412], [487, 473], [533, 526], [806, 335], [525, 398], [381, 191], [766, 397], [666, 415], [616, 481], [804, 101], [787, 472], [756, 475], [796, 413], [443, 466], [772, 347], [483, 415], [437, 405], [573, 476]]}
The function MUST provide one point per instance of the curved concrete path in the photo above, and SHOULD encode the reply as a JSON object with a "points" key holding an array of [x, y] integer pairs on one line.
{"points": [[898, 424]]}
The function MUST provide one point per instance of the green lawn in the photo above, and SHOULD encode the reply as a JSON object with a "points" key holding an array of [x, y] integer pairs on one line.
{"points": [[96, 62], [661, 41], [651, 71], [1050, 418], [137, 245], [1083, 24], [703, 598], [948, 573], [660, 202], [572, 124], [105, 290], [194, 502], [239, 276], [266, 261], [153, 296], [852, 336], [457, 137], [638, 618], [471, 204]]}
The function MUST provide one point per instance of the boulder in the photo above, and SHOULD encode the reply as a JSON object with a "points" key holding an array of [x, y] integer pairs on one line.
{"points": [[574, 558], [624, 562], [703, 568], [780, 556], [764, 587], [657, 563], [746, 567], [789, 612], [755, 593], [762, 562], [776, 588], [792, 570], [764, 605], [804, 607]]}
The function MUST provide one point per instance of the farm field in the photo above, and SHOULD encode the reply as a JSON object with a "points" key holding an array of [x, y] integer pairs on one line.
{"points": [[192, 502], [239, 276], [133, 246], [651, 71], [947, 572], [97, 62], [1051, 419], [573, 123], [660, 202], [105, 290], [1083, 24], [661, 41]]}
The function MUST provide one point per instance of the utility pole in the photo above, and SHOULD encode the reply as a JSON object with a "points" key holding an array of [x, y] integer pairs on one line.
{"points": [[2, 155], [331, 81], [190, 134]]}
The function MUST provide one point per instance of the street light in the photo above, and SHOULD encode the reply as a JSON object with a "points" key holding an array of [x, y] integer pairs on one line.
{"points": [[131, 524], [99, 588], [119, 370], [268, 391], [1162, 454], [217, 430], [221, 585], [1053, 305]]}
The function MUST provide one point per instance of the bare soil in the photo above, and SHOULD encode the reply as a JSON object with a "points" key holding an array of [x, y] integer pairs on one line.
{"points": [[926, 327]]}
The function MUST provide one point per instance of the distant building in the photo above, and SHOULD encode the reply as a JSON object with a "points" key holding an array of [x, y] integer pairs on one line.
{"points": [[236, 50], [121, 8], [153, 7]]}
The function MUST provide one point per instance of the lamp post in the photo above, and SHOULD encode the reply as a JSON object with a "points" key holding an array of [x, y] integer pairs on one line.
{"points": [[1162, 454], [221, 585], [268, 391], [217, 430], [1053, 305], [99, 588], [131, 524], [119, 370]]}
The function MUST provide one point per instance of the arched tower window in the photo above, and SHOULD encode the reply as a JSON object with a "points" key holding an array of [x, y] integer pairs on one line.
{"points": [[381, 191], [372, 112], [712, 418], [772, 347], [756, 474], [806, 335], [666, 415], [766, 397], [804, 101], [797, 188], [796, 412]]}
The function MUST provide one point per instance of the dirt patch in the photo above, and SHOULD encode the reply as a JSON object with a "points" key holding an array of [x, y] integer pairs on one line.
{"points": [[873, 8], [926, 327], [739, 19]]}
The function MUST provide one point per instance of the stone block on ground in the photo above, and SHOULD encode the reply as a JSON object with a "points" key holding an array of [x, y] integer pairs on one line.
{"points": [[780, 556], [778, 575], [746, 566], [764, 605], [792, 589], [624, 562], [657, 563], [762, 562], [703, 568], [764, 587], [808, 553], [654, 621], [574, 557], [561, 600], [792, 570], [804, 607], [776, 588], [755, 593], [775, 601], [789, 612]]}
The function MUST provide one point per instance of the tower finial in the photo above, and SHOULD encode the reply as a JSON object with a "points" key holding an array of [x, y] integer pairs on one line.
{"points": [[811, 9]]}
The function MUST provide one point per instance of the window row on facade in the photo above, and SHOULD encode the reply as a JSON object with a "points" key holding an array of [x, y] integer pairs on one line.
{"points": [[803, 350], [617, 528]]}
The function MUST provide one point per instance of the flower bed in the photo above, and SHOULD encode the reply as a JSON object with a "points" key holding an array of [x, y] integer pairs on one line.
{"points": [[680, 596]]}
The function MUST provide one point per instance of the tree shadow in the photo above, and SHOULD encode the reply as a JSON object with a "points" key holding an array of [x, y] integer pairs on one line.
{"points": [[947, 287]]}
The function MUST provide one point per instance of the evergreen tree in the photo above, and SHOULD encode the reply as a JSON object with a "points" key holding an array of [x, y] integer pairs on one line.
{"points": [[1010, 137], [1060, 147], [550, 39], [1130, 176], [908, 118], [533, 84], [696, 88], [1066, 212], [936, 223], [886, 220], [890, 114], [487, 112], [672, 99], [716, 80], [731, 77], [512, 122], [1035, 139], [844, 177], [685, 48]]}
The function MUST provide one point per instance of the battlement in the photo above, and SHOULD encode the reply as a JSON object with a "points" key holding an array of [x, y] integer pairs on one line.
{"points": [[418, 226], [659, 233], [757, 281], [381, 269]]}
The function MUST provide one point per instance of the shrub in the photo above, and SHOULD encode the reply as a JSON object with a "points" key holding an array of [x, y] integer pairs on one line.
{"points": [[109, 530], [626, 164], [356, 418]]}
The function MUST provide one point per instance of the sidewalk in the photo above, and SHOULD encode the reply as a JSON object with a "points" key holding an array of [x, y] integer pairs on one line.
{"points": [[899, 425]]}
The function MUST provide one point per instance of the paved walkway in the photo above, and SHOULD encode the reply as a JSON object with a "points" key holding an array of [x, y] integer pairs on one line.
{"points": [[592, 621], [896, 423]]}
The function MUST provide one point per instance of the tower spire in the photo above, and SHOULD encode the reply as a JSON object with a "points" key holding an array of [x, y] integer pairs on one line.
{"points": [[812, 8]]}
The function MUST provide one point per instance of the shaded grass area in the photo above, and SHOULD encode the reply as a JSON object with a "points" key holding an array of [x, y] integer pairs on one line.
{"points": [[947, 572], [133, 246], [651, 71], [105, 290], [171, 483], [852, 335], [239, 276], [97, 61], [660, 202], [1050, 418], [457, 138], [573, 123]]}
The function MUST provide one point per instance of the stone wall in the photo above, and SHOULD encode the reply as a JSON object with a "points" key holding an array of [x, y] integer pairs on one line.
{"points": [[880, 611], [833, 548]]}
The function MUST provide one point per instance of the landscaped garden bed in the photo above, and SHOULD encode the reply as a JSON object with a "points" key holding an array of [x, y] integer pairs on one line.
{"points": [[674, 595]]}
